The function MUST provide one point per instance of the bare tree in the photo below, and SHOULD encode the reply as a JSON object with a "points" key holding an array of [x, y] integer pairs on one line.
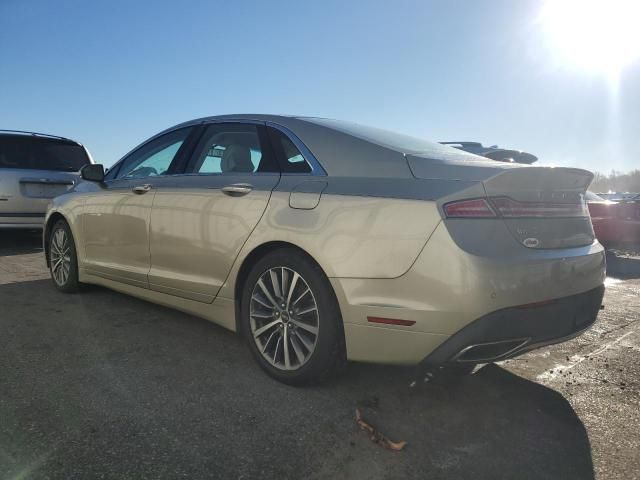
{"points": [[616, 182]]}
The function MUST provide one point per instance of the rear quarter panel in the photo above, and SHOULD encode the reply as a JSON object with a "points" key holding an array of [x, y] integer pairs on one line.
{"points": [[349, 236]]}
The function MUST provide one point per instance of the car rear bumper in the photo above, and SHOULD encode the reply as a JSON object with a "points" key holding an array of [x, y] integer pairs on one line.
{"points": [[448, 289], [513, 331]]}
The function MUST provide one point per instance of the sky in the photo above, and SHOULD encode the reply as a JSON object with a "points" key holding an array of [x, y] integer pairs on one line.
{"points": [[112, 73]]}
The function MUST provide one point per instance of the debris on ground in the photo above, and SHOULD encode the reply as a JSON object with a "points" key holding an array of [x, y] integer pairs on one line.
{"points": [[376, 436]]}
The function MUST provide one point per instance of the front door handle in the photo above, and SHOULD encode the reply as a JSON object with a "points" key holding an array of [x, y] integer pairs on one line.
{"points": [[237, 189], [141, 189]]}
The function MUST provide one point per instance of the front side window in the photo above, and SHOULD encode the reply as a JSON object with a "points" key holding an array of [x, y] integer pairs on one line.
{"points": [[230, 148], [154, 158]]}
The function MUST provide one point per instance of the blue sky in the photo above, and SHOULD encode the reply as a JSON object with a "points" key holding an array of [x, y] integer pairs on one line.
{"points": [[112, 73]]}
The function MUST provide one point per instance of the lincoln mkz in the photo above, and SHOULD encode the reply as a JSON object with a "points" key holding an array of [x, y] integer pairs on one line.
{"points": [[321, 240]]}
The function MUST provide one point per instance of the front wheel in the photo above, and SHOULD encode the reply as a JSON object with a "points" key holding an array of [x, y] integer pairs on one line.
{"points": [[291, 318], [63, 261]]}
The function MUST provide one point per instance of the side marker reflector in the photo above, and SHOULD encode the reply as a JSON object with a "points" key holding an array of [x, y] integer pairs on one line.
{"points": [[391, 321]]}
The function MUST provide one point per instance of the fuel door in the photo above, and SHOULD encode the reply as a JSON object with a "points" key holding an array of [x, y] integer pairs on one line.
{"points": [[306, 195]]}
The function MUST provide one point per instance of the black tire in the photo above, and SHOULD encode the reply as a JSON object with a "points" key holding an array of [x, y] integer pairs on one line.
{"points": [[328, 356], [70, 282]]}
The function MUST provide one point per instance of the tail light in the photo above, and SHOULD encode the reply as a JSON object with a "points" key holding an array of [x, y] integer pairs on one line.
{"points": [[508, 208], [476, 208]]}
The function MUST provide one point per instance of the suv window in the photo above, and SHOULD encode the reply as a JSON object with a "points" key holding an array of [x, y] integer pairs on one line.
{"points": [[231, 148], [153, 158], [35, 153], [292, 160]]}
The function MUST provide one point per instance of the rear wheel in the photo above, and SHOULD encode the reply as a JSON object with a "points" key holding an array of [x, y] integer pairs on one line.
{"points": [[63, 262], [291, 318]]}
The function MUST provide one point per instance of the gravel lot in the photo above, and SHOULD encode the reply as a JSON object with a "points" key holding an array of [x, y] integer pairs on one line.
{"points": [[100, 385]]}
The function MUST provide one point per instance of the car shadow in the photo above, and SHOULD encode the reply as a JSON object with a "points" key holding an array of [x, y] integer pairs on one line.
{"points": [[140, 390], [492, 423], [19, 242]]}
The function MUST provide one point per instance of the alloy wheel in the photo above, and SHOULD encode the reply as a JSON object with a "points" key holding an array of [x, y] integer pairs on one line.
{"points": [[284, 318], [60, 257]]}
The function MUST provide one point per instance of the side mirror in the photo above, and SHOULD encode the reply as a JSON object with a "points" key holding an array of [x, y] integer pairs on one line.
{"points": [[92, 173]]}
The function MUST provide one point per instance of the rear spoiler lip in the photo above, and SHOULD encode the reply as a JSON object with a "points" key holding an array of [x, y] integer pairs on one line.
{"points": [[538, 168], [475, 168]]}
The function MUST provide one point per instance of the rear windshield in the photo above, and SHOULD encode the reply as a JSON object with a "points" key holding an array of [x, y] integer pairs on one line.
{"points": [[41, 154], [394, 141]]}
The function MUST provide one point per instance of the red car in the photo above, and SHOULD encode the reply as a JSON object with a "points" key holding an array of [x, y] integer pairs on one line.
{"points": [[615, 223]]}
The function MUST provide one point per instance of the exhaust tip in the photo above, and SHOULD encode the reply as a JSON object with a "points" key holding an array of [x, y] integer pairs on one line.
{"points": [[491, 351]]}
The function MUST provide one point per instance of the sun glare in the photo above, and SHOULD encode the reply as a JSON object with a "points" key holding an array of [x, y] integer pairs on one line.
{"points": [[596, 35]]}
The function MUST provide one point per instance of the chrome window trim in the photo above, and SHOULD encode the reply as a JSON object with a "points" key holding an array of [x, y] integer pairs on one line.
{"points": [[312, 161], [223, 174], [233, 120], [316, 168]]}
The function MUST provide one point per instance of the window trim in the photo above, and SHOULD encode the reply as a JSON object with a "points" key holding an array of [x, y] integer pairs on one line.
{"points": [[198, 129]]}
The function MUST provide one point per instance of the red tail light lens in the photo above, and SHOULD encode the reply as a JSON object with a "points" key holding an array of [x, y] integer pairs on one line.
{"points": [[510, 208], [477, 208]]}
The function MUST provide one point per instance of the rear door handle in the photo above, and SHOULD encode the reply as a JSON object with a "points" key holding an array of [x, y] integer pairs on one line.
{"points": [[237, 189], [140, 189]]}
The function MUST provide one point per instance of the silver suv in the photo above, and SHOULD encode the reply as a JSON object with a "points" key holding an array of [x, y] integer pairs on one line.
{"points": [[34, 168]]}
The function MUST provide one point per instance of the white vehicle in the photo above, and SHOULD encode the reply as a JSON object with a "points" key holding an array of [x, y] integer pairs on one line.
{"points": [[34, 168]]}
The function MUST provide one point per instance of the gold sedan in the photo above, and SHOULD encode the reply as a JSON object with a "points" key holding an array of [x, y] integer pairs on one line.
{"points": [[321, 240]]}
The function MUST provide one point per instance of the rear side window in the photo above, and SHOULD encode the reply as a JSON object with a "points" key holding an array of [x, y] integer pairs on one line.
{"points": [[231, 148], [35, 153], [291, 158]]}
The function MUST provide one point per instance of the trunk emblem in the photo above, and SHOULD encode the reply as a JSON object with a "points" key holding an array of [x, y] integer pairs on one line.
{"points": [[531, 242]]}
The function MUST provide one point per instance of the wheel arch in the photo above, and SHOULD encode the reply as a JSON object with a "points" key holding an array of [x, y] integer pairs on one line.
{"points": [[51, 221], [252, 257]]}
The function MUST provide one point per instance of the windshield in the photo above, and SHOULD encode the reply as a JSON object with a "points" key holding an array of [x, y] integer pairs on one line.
{"points": [[34, 153]]}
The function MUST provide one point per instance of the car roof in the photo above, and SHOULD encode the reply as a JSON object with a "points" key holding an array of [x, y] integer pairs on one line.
{"points": [[332, 141], [43, 136]]}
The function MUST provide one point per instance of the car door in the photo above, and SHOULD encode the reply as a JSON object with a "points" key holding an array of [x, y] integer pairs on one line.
{"points": [[115, 219], [201, 219]]}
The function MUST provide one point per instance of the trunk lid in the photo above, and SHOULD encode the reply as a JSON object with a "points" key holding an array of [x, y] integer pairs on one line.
{"points": [[542, 207]]}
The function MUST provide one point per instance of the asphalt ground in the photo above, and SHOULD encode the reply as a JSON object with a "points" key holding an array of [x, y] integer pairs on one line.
{"points": [[101, 385]]}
